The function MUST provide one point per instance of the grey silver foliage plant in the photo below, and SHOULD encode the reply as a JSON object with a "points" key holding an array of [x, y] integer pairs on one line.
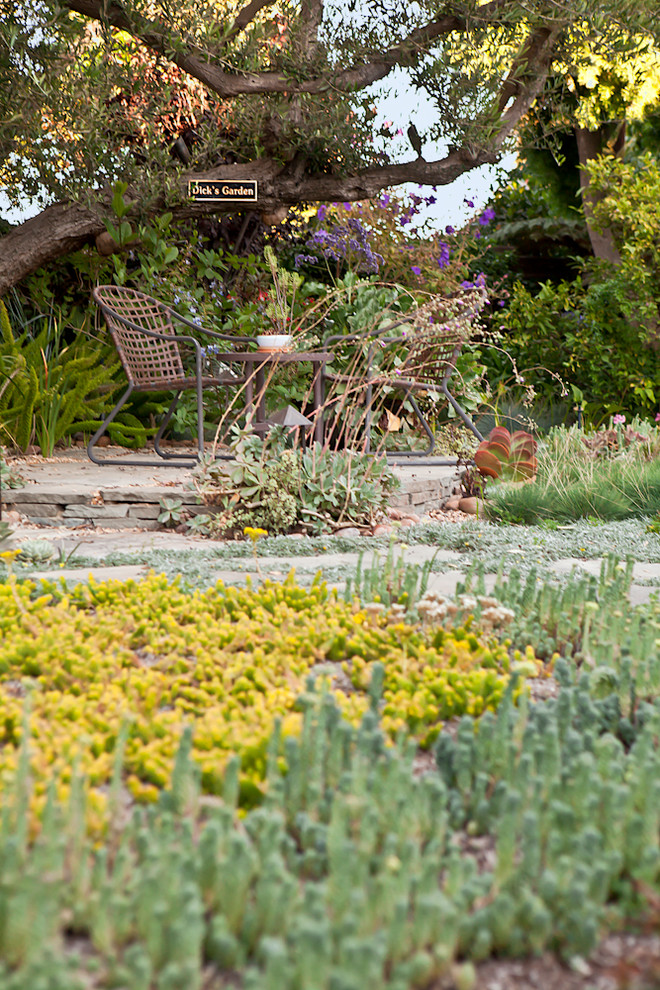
{"points": [[279, 487]]}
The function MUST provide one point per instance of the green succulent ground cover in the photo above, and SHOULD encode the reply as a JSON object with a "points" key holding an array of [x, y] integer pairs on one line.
{"points": [[537, 829]]}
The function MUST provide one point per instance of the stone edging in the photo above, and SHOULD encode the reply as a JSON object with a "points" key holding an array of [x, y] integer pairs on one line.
{"points": [[138, 507]]}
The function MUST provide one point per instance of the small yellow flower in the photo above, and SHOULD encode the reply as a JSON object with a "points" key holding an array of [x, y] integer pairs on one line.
{"points": [[9, 555], [254, 533]]}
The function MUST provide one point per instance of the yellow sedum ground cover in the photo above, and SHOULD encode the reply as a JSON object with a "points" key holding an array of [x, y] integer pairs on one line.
{"points": [[229, 660]]}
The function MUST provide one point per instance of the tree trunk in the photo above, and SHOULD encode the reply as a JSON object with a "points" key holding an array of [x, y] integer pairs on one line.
{"points": [[591, 144], [57, 231]]}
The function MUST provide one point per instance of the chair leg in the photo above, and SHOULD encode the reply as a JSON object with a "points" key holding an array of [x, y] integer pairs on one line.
{"points": [[200, 415], [200, 435], [425, 426], [161, 430], [163, 426], [218, 438], [460, 411], [368, 401], [180, 460]]}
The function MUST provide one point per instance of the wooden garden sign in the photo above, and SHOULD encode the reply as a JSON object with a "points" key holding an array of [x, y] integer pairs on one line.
{"points": [[223, 190]]}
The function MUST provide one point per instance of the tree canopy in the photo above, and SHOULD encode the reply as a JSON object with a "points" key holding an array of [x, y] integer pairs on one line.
{"points": [[154, 93]]}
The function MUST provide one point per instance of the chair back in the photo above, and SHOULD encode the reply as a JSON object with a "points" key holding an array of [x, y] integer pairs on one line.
{"points": [[441, 327], [147, 361]]}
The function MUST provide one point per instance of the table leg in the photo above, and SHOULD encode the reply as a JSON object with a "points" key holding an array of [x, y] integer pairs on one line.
{"points": [[318, 402], [261, 395], [249, 395]]}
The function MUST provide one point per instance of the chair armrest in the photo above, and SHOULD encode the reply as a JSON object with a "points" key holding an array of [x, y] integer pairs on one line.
{"points": [[367, 335], [211, 333]]}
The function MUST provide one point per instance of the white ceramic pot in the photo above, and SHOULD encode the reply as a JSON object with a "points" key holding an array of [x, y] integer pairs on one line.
{"points": [[274, 341]]}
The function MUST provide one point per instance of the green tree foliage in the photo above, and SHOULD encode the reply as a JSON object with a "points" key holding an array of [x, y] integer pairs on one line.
{"points": [[96, 92], [600, 331]]}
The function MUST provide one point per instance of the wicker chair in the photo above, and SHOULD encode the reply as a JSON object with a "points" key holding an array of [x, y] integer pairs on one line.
{"points": [[433, 338], [143, 331]]}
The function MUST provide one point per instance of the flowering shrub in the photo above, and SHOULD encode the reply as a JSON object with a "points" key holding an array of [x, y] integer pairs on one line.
{"points": [[151, 658], [624, 440], [387, 237], [344, 243]]}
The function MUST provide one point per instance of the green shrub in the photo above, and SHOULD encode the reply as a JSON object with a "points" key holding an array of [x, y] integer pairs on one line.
{"points": [[53, 389], [600, 331], [574, 334]]}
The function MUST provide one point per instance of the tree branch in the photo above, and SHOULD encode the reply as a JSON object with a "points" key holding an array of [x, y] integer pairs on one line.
{"points": [[63, 228], [52, 234], [246, 16], [540, 47], [311, 15], [229, 85]]}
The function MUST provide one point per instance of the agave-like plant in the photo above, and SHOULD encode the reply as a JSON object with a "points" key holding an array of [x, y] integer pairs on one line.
{"points": [[507, 456]]}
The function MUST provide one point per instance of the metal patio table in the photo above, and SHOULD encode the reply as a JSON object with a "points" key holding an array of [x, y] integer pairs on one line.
{"points": [[256, 365]]}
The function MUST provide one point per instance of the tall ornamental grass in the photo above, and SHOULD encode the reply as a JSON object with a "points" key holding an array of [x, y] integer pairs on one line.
{"points": [[603, 475]]}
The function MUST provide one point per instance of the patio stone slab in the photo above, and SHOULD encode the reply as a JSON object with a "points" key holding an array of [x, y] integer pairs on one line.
{"points": [[642, 571], [568, 564], [641, 594], [92, 543], [646, 571]]}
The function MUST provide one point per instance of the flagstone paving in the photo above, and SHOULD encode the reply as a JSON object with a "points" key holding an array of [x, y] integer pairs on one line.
{"points": [[99, 548]]}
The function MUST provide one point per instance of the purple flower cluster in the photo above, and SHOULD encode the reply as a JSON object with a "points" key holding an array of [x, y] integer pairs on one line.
{"points": [[479, 282], [340, 242], [415, 205], [487, 216], [302, 259], [443, 259]]}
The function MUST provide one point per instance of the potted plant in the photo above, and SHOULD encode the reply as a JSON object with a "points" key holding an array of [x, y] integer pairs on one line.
{"points": [[277, 336]]}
